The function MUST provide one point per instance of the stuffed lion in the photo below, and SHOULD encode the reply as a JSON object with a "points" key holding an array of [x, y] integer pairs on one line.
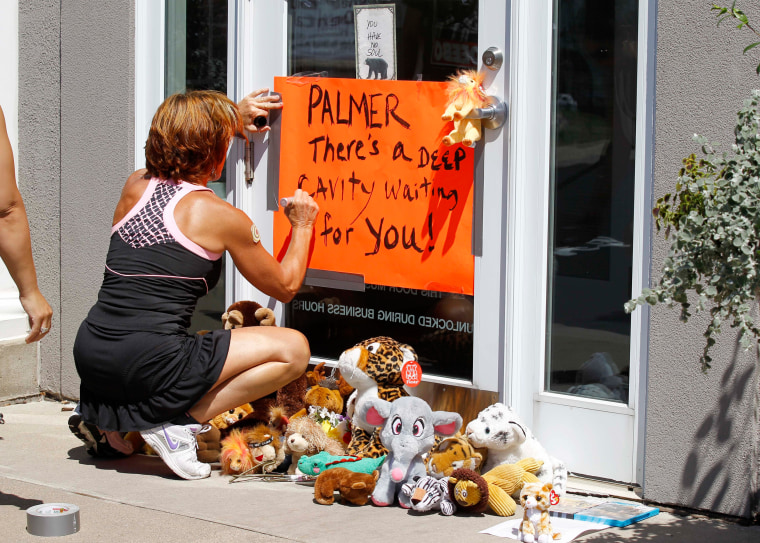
{"points": [[465, 94]]}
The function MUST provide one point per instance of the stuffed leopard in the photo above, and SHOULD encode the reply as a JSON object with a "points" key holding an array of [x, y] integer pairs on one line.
{"points": [[373, 368]]}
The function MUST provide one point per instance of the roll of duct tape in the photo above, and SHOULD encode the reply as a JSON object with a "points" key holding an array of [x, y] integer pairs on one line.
{"points": [[52, 519]]}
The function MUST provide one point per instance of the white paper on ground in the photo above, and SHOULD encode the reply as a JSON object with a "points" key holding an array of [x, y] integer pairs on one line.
{"points": [[569, 528]]}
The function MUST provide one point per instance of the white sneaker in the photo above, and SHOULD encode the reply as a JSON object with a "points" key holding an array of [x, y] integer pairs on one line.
{"points": [[176, 445]]}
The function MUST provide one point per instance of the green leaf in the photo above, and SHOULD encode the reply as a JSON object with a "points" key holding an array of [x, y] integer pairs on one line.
{"points": [[751, 46]]}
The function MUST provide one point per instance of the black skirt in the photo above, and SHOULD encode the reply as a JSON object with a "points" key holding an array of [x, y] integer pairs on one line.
{"points": [[138, 380]]}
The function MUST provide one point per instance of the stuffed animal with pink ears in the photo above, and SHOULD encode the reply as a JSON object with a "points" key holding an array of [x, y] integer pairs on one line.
{"points": [[408, 430]]}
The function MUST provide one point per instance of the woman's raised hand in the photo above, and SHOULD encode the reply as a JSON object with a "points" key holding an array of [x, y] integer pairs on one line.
{"points": [[302, 210]]}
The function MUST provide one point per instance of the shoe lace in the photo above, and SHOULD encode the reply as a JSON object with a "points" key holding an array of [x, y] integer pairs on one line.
{"points": [[191, 432], [205, 428]]}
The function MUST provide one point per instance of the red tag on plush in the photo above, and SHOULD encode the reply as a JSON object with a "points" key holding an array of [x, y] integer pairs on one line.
{"points": [[411, 373], [553, 498]]}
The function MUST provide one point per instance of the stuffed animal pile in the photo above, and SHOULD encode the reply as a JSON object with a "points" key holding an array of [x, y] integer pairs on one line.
{"points": [[359, 433]]}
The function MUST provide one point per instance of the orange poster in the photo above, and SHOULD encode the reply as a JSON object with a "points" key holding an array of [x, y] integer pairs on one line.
{"points": [[395, 203]]}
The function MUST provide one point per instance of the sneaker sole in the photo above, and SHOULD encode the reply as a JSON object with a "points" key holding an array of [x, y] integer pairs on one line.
{"points": [[166, 456], [84, 432]]}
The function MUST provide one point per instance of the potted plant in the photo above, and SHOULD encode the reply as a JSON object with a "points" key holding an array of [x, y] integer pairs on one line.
{"points": [[714, 221]]}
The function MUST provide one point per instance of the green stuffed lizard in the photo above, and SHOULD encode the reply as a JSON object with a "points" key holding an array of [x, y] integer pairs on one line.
{"points": [[317, 463]]}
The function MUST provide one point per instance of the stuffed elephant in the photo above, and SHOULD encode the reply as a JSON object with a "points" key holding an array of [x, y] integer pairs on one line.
{"points": [[408, 430]]}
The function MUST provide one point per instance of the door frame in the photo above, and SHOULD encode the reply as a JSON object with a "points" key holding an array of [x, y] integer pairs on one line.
{"points": [[527, 250]]}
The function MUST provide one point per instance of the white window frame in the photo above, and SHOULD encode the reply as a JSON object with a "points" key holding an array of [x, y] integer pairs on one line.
{"points": [[13, 320]]}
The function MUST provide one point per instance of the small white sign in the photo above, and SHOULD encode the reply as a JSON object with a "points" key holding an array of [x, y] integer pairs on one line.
{"points": [[375, 28]]}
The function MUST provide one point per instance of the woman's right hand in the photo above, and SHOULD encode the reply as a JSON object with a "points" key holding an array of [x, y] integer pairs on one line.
{"points": [[39, 313], [302, 210]]}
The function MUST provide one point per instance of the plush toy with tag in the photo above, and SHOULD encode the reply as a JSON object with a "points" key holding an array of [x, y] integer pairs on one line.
{"points": [[373, 368], [536, 526], [465, 94]]}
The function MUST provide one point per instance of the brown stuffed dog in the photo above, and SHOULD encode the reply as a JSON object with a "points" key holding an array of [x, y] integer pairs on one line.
{"points": [[209, 445], [354, 487]]}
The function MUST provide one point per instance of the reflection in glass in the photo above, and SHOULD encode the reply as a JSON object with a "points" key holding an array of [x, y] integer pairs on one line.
{"points": [[196, 59], [437, 325], [592, 187], [434, 39]]}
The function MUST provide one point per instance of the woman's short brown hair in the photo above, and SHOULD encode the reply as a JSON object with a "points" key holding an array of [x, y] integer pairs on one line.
{"points": [[190, 135]]}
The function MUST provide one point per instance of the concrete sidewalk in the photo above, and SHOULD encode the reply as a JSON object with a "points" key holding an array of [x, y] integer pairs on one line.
{"points": [[138, 499]]}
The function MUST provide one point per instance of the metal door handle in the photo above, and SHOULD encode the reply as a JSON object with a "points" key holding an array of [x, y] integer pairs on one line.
{"points": [[493, 116]]}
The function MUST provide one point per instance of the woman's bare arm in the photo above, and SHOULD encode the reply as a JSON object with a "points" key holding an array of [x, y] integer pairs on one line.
{"points": [[15, 243], [218, 226]]}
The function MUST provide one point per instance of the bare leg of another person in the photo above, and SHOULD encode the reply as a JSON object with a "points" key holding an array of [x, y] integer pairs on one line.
{"points": [[260, 360]]}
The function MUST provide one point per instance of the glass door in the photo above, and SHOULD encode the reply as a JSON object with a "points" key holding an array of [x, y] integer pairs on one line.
{"points": [[196, 59], [184, 45], [585, 204], [433, 40]]}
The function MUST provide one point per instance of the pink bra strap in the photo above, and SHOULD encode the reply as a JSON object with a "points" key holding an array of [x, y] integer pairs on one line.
{"points": [[171, 224]]}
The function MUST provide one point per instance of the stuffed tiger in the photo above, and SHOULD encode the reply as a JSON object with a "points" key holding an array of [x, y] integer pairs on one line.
{"points": [[428, 493], [508, 440], [450, 454]]}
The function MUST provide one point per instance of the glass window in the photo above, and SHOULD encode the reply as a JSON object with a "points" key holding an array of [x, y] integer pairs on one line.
{"points": [[594, 126], [196, 59], [434, 39]]}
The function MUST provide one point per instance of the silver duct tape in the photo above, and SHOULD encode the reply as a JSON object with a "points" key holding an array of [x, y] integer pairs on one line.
{"points": [[52, 519]]}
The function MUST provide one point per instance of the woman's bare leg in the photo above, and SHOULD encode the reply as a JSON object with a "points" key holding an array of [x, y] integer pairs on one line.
{"points": [[260, 361]]}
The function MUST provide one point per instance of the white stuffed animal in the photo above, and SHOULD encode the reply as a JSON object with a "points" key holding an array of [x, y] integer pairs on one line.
{"points": [[499, 429]]}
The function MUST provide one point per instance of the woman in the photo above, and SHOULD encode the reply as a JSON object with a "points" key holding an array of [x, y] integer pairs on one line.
{"points": [[16, 243], [140, 369]]}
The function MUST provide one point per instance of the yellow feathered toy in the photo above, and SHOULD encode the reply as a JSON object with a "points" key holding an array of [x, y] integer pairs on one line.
{"points": [[465, 94]]}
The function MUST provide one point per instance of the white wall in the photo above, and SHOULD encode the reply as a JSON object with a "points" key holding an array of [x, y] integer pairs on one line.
{"points": [[12, 319]]}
